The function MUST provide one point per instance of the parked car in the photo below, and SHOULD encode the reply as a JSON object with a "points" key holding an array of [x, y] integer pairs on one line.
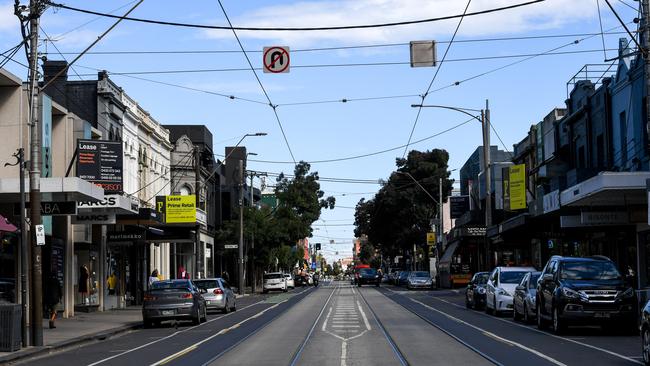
{"points": [[574, 290], [501, 286], [645, 333], [173, 300], [524, 298], [402, 280], [219, 295], [475, 291], [274, 281], [393, 277], [290, 282], [419, 279], [367, 276]]}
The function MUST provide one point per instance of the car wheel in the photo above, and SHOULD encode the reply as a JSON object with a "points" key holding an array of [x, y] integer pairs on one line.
{"points": [[146, 323], [196, 319], [559, 325], [515, 313], [645, 343], [226, 308], [467, 303], [540, 321], [494, 305], [487, 307], [526, 316]]}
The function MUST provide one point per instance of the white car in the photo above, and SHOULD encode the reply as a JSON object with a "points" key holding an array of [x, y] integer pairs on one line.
{"points": [[274, 281], [501, 286], [290, 282]]}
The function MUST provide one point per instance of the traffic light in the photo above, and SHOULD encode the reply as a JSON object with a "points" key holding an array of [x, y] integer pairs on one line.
{"points": [[317, 246]]}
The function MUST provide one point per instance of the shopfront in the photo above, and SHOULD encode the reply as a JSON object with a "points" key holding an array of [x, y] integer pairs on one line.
{"points": [[462, 257]]}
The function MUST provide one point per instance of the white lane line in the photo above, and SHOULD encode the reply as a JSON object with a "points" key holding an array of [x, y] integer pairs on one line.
{"points": [[363, 314], [492, 335], [344, 351], [327, 318], [223, 331], [167, 337], [345, 326], [612, 353]]}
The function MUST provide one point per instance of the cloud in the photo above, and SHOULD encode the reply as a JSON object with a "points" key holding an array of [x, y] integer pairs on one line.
{"points": [[546, 15]]}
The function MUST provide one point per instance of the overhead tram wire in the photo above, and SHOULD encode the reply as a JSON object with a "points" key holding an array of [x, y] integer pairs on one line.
{"points": [[337, 48], [275, 112], [62, 35], [424, 96], [298, 29]]}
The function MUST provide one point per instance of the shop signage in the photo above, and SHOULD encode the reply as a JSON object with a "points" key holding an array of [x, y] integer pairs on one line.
{"points": [[124, 236], [100, 162], [201, 217], [431, 238], [94, 218], [517, 187], [473, 231], [604, 218], [62, 208], [505, 174], [113, 201], [231, 246], [552, 201], [458, 205], [177, 209]]}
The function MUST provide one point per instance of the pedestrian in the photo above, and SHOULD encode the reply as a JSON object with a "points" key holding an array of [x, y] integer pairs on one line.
{"points": [[111, 283], [82, 285], [225, 276], [52, 297], [182, 273], [154, 277]]}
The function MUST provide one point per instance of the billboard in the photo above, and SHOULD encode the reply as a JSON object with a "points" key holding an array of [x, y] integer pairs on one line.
{"points": [[100, 162], [177, 209], [517, 187], [458, 205]]}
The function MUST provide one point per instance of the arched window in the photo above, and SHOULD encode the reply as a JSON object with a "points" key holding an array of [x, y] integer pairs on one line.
{"points": [[185, 190]]}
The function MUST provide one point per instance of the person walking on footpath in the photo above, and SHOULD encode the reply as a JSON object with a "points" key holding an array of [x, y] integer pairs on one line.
{"points": [[52, 297], [83, 283], [111, 282], [153, 278]]}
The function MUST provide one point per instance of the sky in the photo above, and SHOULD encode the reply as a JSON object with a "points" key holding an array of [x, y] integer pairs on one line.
{"points": [[316, 124]]}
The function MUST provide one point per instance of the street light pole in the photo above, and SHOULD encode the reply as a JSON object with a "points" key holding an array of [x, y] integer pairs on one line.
{"points": [[241, 228]]}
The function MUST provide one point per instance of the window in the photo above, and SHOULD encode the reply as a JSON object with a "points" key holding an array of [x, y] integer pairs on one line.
{"points": [[600, 151], [622, 121], [185, 190]]}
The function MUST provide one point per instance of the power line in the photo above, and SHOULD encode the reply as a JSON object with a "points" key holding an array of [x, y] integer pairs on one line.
{"points": [[62, 35], [275, 112], [424, 96], [337, 48], [302, 29]]}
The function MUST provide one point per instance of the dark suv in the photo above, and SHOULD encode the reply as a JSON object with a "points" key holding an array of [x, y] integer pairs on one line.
{"points": [[590, 290], [368, 276]]}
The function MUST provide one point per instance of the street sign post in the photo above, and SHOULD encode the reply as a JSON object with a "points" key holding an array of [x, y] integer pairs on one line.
{"points": [[231, 246], [276, 59]]}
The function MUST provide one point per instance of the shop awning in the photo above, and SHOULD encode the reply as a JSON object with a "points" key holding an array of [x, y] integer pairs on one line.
{"points": [[58, 189], [608, 189], [6, 226], [449, 252]]}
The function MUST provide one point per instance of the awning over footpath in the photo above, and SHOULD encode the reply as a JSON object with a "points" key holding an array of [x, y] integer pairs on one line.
{"points": [[607, 189], [68, 189], [449, 253], [6, 226]]}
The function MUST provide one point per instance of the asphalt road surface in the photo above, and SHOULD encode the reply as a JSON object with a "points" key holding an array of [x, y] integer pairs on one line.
{"points": [[339, 324]]}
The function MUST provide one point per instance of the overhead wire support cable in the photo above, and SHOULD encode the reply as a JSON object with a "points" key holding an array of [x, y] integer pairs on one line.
{"points": [[625, 26], [274, 107], [298, 29], [424, 96]]}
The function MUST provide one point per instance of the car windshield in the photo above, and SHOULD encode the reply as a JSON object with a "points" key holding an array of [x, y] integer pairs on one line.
{"points": [[589, 271], [273, 276], [533, 281], [420, 274], [404, 274], [170, 285], [368, 271], [206, 284], [482, 279], [512, 277]]}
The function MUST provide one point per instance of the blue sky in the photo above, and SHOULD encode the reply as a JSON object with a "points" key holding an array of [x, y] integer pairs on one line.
{"points": [[519, 95]]}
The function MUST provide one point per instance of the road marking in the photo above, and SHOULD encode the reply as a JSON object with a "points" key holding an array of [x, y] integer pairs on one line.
{"points": [[344, 351], [492, 335], [176, 355], [167, 337], [345, 326], [363, 315], [612, 353]]}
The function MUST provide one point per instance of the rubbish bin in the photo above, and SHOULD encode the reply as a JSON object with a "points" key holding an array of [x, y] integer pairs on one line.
{"points": [[10, 337]]}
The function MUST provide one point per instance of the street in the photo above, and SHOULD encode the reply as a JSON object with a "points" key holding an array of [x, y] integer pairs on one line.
{"points": [[341, 324]]}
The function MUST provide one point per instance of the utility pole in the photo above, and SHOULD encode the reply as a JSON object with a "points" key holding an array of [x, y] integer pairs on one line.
{"points": [[240, 263], [441, 226], [36, 318], [253, 278], [485, 119], [645, 42], [197, 191]]}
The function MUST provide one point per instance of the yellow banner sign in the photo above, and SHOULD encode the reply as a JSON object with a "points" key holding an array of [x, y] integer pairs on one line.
{"points": [[431, 238], [518, 187], [180, 209]]}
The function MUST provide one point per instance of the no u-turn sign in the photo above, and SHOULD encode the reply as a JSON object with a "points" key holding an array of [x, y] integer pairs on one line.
{"points": [[276, 59]]}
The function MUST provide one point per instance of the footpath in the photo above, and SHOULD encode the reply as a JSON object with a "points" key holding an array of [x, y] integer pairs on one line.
{"points": [[83, 328]]}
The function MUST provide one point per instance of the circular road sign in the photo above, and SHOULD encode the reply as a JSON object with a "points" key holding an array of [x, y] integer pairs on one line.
{"points": [[276, 59]]}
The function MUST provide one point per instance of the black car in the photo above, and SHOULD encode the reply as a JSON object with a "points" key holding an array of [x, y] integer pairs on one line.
{"points": [[523, 300], [173, 300], [645, 333], [403, 278], [584, 291], [368, 276], [475, 291]]}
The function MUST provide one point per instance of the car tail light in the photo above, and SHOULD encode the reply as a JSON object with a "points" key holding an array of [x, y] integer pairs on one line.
{"points": [[149, 298], [186, 296], [218, 291]]}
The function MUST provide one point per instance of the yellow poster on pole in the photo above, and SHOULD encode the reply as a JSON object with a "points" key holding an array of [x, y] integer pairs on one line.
{"points": [[180, 209], [518, 187], [431, 238]]}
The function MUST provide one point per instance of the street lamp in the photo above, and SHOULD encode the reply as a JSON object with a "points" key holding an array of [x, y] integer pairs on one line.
{"points": [[253, 287], [485, 123]]}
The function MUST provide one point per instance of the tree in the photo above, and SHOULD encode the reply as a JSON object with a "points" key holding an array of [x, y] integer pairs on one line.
{"points": [[401, 213]]}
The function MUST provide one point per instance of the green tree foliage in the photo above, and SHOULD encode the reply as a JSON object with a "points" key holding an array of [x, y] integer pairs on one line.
{"points": [[400, 214]]}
